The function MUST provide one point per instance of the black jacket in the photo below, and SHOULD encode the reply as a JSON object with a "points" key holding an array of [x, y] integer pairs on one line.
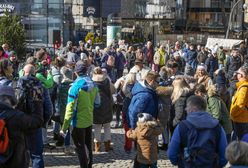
{"points": [[17, 125], [232, 65]]}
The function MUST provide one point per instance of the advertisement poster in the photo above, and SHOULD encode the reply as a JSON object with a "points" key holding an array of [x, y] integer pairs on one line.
{"points": [[113, 33]]}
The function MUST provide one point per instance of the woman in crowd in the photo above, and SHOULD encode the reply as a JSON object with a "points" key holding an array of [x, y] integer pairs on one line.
{"points": [[6, 72], [202, 76]]}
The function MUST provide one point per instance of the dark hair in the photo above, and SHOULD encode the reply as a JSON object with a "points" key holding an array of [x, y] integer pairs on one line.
{"points": [[200, 88], [59, 62], [40, 55], [198, 102]]}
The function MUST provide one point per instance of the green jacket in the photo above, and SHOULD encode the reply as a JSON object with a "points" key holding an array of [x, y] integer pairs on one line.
{"points": [[83, 96], [47, 82], [217, 108]]}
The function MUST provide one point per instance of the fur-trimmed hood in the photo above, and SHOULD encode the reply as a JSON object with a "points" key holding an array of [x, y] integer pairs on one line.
{"points": [[147, 129], [164, 90], [99, 77]]}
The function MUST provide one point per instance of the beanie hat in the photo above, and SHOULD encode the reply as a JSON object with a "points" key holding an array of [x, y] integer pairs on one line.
{"points": [[143, 117], [188, 70], [202, 66], [8, 91], [81, 68]]}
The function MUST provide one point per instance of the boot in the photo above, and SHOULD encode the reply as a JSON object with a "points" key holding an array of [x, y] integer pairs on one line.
{"points": [[108, 147], [97, 146]]}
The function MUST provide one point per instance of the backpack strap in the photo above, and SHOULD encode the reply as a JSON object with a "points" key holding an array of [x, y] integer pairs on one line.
{"points": [[7, 115], [184, 127]]}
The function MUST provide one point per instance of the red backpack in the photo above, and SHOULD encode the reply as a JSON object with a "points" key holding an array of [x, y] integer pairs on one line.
{"points": [[5, 150]]}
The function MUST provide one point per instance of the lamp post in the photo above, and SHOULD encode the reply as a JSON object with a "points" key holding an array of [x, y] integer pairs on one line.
{"points": [[230, 17]]}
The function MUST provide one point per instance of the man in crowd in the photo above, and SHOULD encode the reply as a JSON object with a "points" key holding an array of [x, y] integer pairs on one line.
{"points": [[233, 63]]}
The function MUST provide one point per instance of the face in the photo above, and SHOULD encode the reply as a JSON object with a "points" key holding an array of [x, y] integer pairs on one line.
{"points": [[201, 72], [6, 47], [12, 58], [240, 75], [235, 53], [198, 93], [154, 83]]}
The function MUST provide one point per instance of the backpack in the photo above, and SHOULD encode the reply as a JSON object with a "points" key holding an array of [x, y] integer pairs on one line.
{"points": [[199, 148], [5, 144]]}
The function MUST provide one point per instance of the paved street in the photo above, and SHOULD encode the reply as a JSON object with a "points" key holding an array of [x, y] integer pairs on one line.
{"points": [[114, 159]]}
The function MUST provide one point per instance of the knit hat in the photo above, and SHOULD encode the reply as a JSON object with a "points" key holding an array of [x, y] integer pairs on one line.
{"points": [[143, 117], [202, 66], [81, 68], [66, 72], [8, 91]]}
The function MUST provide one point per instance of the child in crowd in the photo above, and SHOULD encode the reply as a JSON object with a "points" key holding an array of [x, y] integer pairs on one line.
{"points": [[146, 134]]}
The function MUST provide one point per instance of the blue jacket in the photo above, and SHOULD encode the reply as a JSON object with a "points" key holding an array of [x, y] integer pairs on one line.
{"points": [[198, 120], [191, 58], [144, 100], [119, 61]]}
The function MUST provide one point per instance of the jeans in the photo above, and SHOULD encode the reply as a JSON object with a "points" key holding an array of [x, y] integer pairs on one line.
{"points": [[35, 146], [154, 165], [44, 136], [82, 138], [56, 128], [97, 133], [240, 129], [68, 138]]}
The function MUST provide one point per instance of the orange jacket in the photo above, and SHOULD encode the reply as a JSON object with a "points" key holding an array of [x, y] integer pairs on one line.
{"points": [[239, 106]]}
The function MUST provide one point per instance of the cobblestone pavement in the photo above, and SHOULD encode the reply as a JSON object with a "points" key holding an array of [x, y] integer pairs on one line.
{"points": [[117, 158]]}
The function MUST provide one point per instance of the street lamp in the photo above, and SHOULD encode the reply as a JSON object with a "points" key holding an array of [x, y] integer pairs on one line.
{"points": [[231, 13]]}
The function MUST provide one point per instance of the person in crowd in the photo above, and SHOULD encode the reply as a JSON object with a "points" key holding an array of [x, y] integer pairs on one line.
{"points": [[198, 141], [144, 98], [160, 58], [119, 63], [91, 64], [237, 154], [88, 45], [5, 47], [202, 56], [180, 62], [200, 90], [6, 72], [217, 108], [109, 68], [30, 99], [191, 57], [232, 85], [164, 108], [83, 96], [212, 64], [145, 134], [173, 69], [202, 76], [181, 91], [18, 124], [82, 49], [103, 115], [3, 55], [233, 63], [149, 52], [238, 110], [65, 50], [67, 79], [72, 56], [98, 56], [139, 69], [15, 63], [221, 55], [130, 57]]}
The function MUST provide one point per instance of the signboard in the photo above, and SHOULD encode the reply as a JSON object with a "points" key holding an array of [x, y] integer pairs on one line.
{"points": [[91, 8], [6, 8]]}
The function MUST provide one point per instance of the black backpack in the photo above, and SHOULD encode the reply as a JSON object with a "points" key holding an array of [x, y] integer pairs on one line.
{"points": [[199, 148]]}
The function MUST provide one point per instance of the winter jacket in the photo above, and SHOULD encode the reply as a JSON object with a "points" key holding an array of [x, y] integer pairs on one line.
{"points": [[4, 81], [47, 81], [17, 125], [148, 54], [104, 113], [82, 97], [191, 58], [72, 57], [146, 136], [232, 65], [160, 58], [217, 108], [119, 61], [200, 120], [111, 71], [221, 56], [202, 57], [239, 106], [144, 100], [178, 112], [165, 104], [130, 57], [205, 80], [212, 65]]}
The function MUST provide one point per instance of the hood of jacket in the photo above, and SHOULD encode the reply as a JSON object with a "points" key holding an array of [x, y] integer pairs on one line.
{"points": [[85, 83], [146, 128], [4, 107], [99, 77], [164, 90], [202, 120], [140, 87]]}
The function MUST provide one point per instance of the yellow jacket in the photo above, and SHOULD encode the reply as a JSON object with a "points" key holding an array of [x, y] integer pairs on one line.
{"points": [[239, 106]]}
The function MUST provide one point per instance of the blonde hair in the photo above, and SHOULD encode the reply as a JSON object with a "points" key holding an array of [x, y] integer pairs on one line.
{"points": [[180, 87]]}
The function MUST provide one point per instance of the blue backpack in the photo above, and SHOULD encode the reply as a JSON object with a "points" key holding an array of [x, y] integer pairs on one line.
{"points": [[199, 146]]}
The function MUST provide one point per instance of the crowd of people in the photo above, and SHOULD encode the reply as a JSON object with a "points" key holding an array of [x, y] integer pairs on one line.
{"points": [[195, 99]]}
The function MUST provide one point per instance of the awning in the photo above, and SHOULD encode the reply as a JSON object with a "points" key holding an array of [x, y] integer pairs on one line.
{"points": [[226, 43]]}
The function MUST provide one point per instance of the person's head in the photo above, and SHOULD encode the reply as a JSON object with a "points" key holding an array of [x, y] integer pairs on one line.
{"points": [[200, 90], [242, 73], [66, 73], [152, 78], [97, 48], [6, 69], [198, 47], [163, 73], [162, 47], [149, 44], [144, 117], [29, 69], [235, 52], [172, 67], [140, 54], [40, 55], [195, 104], [111, 61], [177, 44], [31, 60], [5, 47], [191, 47], [7, 95], [59, 62], [81, 69], [12, 56], [69, 44], [201, 70], [212, 90], [130, 48], [180, 87], [237, 153]]}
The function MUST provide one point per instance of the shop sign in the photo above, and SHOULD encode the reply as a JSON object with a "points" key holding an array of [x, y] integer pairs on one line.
{"points": [[6, 8]]}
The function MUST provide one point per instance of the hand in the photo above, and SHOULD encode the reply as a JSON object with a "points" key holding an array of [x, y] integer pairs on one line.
{"points": [[62, 133]]}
